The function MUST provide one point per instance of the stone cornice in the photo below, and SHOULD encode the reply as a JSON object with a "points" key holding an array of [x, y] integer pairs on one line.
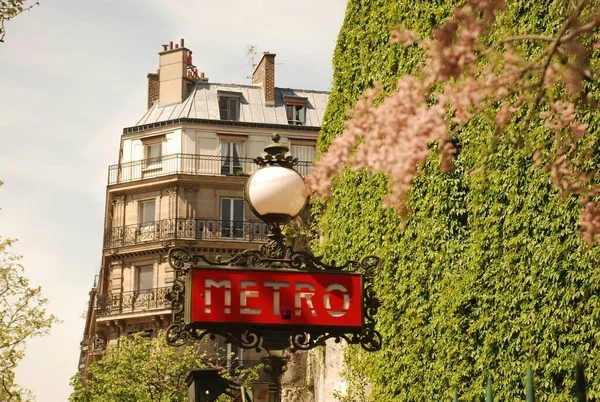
{"points": [[169, 181], [190, 121], [215, 247]]}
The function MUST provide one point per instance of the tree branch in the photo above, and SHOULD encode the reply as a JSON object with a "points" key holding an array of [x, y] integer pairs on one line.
{"points": [[552, 49], [4, 11]]}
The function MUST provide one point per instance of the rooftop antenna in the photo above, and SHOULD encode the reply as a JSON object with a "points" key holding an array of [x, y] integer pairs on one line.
{"points": [[251, 54]]}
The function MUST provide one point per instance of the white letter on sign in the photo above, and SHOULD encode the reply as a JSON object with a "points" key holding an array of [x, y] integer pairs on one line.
{"points": [[327, 302], [245, 294], [276, 300], [207, 294], [304, 295]]}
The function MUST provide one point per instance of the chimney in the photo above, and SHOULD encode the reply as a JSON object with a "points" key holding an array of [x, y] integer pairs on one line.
{"points": [[173, 79], [153, 88], [264, 75]]}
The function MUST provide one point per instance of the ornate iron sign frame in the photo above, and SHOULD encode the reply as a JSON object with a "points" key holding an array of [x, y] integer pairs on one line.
{"points": [[274, 255]]}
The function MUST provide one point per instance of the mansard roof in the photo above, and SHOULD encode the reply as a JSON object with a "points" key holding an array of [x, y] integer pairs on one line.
{"points": [[202, 103]]}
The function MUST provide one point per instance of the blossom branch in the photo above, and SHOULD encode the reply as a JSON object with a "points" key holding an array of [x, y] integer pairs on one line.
{"points": [[394, 137]]}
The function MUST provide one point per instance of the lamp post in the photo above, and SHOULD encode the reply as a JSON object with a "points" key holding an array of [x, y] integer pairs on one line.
{"points": [[275, 193], [273, 298]]}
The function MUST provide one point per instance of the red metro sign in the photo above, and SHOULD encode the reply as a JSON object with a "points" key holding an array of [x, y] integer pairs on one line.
{"points": [[275, 298]]}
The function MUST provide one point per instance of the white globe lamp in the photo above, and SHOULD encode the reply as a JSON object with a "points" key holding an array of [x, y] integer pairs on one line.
{"points": [[275, 192]]}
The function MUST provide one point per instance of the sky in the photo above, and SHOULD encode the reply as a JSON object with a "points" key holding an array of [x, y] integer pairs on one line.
{"points": [[72, 76]]}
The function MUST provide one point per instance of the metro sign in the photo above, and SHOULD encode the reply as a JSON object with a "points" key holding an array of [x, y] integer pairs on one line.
{"points": [[273, 298], [280, 298]]}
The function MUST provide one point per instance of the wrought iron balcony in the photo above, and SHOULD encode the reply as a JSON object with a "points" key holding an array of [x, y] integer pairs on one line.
{"points": [[187, 229], [188, 164], [132, 302]]}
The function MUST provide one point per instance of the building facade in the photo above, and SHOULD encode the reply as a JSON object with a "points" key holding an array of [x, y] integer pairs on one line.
{"points": [[180, 182]]}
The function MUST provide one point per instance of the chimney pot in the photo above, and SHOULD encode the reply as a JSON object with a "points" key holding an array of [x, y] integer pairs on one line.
{"points": [[165, 47], [176, 46], [181, 41], [171, 45]]}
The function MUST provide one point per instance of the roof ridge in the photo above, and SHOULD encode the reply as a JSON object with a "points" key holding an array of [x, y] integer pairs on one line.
{"points": [[206, 83]]}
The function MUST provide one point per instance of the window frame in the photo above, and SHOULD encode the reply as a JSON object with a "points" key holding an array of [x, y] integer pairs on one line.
{"points": [[234, 228], [231, 169], [296, 143], [230, 351], [301, 120], [153, 162], [304, 166], [138, 281], [230, 98], [140, 217]]}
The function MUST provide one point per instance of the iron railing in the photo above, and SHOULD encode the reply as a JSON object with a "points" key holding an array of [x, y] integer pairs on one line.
{"points": [[132, 302], [188, 164], [187, 229], [579, 391]]}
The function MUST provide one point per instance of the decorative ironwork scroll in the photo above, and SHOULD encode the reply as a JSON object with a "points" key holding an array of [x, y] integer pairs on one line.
{"points": [[274, 255]]}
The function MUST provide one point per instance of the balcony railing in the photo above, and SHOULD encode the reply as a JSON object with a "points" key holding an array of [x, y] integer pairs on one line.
{"points": [[188, 164], [132, 302], [187, 229]]}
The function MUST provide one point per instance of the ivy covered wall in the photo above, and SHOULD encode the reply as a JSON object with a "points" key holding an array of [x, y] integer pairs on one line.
{"points": [[487, 274]]}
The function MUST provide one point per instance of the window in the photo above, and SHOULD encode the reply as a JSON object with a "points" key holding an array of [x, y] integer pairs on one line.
{"points": [[147, 213], [235, 358], [146, 218], [304, 153], [153, 150], [145, 278], [232, 218], [152, 155], [229, 107], [231, 154], [296, 113]]}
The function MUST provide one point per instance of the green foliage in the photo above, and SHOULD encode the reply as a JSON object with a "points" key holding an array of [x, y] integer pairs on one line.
{"points": [[9, 9], [143, 370], [488, 273], [22, 316], [355, 366], [298, 231]]}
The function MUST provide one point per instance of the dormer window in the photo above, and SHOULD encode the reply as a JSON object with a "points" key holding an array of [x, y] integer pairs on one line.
{"points": [[295, 109], [296, 114], [229, 106]]}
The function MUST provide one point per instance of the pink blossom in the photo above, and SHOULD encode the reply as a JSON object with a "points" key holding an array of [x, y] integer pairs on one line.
{"points": [[404, 36], [452, 87]]}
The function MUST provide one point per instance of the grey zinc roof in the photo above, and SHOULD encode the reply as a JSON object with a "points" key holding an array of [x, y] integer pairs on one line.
{"points": [[202, 103]]}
